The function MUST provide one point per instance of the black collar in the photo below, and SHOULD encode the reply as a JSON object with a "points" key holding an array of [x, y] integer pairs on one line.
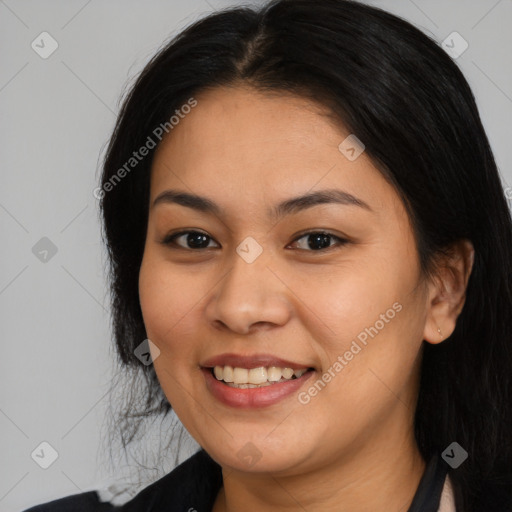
{"points": [[428, 493]]}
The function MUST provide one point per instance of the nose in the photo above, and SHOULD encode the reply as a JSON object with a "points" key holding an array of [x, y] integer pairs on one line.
{"points": [[249, 297]]}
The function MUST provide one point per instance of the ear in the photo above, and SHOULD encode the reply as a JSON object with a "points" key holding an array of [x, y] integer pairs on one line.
{"points": [[447, 291]]}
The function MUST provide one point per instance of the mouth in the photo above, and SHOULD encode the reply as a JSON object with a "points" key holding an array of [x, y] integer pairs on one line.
{"points": [[246, 388]]}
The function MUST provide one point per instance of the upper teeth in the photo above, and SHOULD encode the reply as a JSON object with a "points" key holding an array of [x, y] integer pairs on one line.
{"points": [[255, 375]]}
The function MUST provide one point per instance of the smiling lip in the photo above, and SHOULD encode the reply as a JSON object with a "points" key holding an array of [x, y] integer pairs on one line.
{"points": [[252, 397], [251, 361]]}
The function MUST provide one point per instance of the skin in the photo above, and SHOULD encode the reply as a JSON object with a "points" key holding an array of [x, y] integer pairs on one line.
{"points": [[351, 448]]}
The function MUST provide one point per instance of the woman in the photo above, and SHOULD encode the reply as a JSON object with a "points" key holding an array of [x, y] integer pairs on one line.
{"points": [[310, 242]]}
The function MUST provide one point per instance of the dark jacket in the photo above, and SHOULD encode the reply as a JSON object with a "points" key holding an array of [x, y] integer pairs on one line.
{"points": [[193, 486]]}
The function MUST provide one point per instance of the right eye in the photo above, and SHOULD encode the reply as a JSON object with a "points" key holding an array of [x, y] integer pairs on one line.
{"points": [[193, 240]]}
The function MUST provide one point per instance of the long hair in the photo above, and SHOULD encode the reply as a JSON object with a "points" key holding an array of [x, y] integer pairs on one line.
{"points": [[403, 96]]}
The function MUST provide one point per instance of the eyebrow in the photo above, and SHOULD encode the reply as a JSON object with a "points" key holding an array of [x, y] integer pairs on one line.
{"points": [[287, 207]]}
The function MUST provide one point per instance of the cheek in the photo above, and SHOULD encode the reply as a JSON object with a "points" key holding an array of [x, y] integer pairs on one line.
{"points": [[166, 301], [345, 300], [366, 319], [167, 305]]}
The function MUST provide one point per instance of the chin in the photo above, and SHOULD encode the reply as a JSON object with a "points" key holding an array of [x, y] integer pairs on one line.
{"points": [[258, 457]]}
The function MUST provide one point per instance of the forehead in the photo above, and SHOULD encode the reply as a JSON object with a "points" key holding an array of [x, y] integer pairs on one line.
{"points": [[239, 140]]}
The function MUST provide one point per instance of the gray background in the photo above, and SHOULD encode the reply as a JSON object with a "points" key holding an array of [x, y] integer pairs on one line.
{"points": [[56, 116]]}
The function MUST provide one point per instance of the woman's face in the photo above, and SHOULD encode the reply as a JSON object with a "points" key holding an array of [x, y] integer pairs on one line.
{"points": [[257, 285]]}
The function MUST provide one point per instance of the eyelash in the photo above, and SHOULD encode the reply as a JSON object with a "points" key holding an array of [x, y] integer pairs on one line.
{"points": [[169, 240]]}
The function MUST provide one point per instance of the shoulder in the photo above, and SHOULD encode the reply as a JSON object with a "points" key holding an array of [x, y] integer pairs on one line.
{"points": [[85, 502], [192, 484]]}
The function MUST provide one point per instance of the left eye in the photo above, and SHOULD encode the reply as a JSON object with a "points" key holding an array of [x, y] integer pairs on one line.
{"points": [[317, 240]]}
